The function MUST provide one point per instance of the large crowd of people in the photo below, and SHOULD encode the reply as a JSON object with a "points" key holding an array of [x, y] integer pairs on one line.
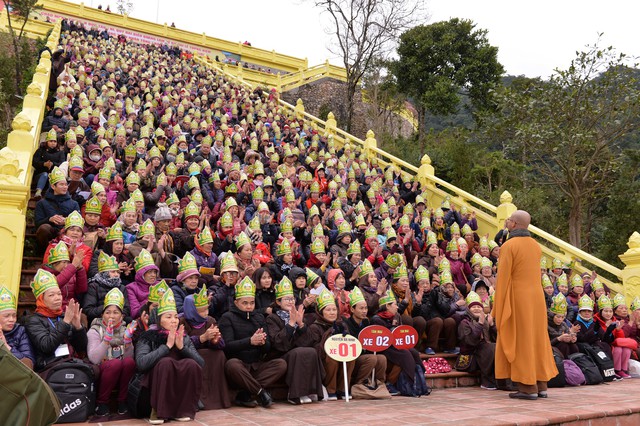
{"points": [[202, 243]]}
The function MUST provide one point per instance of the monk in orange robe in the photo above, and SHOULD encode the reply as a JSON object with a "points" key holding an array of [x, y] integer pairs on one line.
{"points": [[523, 349]]}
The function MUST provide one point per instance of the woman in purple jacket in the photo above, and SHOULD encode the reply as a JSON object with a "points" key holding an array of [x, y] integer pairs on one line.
{"points": [[146, 276], [13, 335], [206, 259]]}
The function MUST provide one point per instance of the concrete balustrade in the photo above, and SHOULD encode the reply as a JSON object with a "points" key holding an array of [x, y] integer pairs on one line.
{"points": [[16, 172]]}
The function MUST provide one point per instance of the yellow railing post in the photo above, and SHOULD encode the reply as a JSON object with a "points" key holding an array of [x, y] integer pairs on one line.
{"points": [[16, 172], [331, 124], [631, 272], [42, 69], [504, 210], [425, 174], [299, 109], [370, 143], [14, 194]]}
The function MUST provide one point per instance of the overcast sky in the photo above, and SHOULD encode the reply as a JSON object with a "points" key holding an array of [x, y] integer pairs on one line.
{"points": [[533, 37]]}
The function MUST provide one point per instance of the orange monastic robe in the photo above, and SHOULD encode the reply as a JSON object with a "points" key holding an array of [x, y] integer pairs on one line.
{"points": [[523, 349]]}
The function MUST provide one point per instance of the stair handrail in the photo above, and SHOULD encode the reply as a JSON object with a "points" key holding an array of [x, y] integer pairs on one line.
{"points": [[16, 172]]}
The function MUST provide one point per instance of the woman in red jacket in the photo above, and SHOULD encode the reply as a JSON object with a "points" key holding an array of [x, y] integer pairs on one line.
{"points": [[72, 236], [71, 276], [622, 345]]}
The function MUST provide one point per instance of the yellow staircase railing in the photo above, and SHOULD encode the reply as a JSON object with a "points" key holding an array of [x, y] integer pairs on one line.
{"points": [[281, 82], [15, 168], [32, 29]]}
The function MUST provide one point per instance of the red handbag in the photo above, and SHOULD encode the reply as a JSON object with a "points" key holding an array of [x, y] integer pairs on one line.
{"points": [[626, 342]]}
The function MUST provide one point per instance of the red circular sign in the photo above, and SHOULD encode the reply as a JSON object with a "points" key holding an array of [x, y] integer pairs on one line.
{"points": [[404, 337], [375, 338]]}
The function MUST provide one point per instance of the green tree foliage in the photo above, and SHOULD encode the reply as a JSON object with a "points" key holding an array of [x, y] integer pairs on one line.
{"points": [[19, 12], [440, 62], [616, 216], [10, 100], [382, 97], [568, 130]]}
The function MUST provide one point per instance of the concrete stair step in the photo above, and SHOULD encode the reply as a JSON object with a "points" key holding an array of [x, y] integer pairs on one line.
{"points": [[454, 379], [31, 262]]}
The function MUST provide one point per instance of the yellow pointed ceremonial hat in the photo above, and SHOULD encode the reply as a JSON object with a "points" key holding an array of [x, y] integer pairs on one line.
{"points": [[93, 206], [187, 263], [9, 302], [245, 288], [156, 292], [114, 232], [386, 298], [365, 269], [43, 281], [58, 253], [114, 298], [167, 303], [284, 288], [201, 299], [228, 263], [324, 299], [558, 305], [143, 260], [283, 248], [74, 219], [356, 296], [147, 228], [107, 263], [205, 237]]}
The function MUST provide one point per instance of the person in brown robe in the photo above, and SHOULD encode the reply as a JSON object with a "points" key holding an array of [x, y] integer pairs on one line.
{"points": [[523, 350], [476, 334], [290, 341], [247, 345], [172, 366], [326, 324], [206, 338]]}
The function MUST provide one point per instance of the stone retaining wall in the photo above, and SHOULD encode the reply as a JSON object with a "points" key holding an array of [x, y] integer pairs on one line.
{"points": [[328, 94]]}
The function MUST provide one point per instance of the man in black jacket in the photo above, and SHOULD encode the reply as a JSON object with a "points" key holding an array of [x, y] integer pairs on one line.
{"points": [[246, 345], [52, 210]]}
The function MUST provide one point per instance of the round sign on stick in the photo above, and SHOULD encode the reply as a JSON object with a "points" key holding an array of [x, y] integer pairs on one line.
{"points": [[375, 338], [343, 348], [405, 337]]}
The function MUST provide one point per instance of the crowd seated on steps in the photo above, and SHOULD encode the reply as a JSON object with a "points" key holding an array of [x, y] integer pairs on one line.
{"points": [[200, 240]]}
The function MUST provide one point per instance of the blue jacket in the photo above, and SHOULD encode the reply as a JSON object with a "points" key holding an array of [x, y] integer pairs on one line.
{"points": [[19, 342], [52, 205], [51, 120]]}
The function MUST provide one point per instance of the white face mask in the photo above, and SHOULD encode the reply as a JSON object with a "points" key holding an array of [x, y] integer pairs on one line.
{"points": [[95, 157]]}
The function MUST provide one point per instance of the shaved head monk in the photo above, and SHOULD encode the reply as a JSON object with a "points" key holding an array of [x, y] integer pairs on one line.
{"points": [[523, 349]]}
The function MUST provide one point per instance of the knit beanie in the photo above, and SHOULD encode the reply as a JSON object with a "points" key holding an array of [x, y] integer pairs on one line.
{"points": [[163, 212]]}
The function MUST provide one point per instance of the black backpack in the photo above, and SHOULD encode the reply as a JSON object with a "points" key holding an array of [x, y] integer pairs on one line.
{"points": [[415, 386], [588, 367], [601, 359], [73, 383], [138, 398], [560, 380]]}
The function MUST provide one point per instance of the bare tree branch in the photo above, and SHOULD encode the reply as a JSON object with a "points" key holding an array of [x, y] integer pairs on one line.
{"points": [[364, 30]]}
